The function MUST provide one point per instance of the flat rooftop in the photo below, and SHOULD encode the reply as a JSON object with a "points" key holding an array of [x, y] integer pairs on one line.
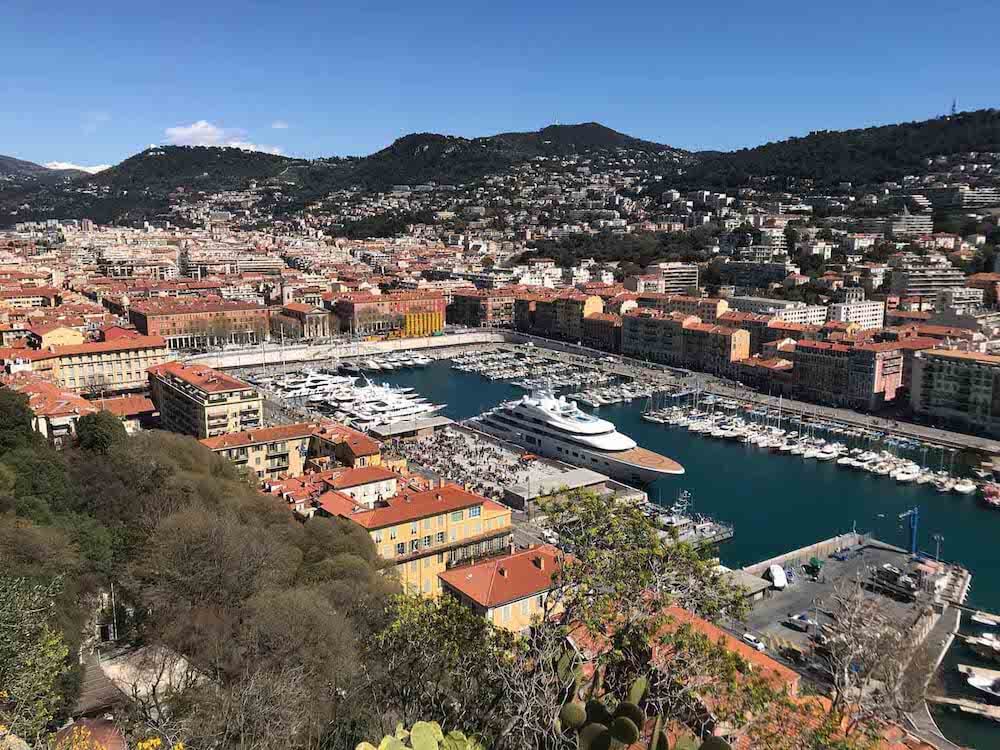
{"points": [[406, 426]]}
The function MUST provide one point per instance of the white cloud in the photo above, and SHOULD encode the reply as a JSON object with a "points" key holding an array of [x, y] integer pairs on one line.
{"points": [[279, 125], [204, 133], [70, 165]]}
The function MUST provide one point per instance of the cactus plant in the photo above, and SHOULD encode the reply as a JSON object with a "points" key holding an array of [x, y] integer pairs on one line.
{"points": [[597, 727], [424, 735]]}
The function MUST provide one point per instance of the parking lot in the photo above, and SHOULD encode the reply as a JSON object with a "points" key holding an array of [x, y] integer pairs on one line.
{"points": [[814, 598]]}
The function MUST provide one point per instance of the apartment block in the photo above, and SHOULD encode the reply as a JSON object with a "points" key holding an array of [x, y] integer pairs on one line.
{"points": [[409, 313], [603, 331], [428, 532], [482, 308], [708, 309], [787, 310], [683, 341], [753, 275], [108, 366], [867, 314], [188, 323], [202, 402], [864, 376], [287, 450], [961, 389], [675, 278]]}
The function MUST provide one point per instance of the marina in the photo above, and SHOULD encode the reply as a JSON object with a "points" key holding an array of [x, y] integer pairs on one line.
{"points": [[777, 505], [773, 504], [856, 449]]}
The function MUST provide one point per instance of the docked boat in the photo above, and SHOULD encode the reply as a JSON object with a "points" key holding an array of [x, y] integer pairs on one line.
{"points": [[964, 487], [557, 428], [987, 645], [991, 495]]}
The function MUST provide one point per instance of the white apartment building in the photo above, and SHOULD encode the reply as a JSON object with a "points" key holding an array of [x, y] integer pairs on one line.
{"points": [[786, 310], [867, 314], [678, 278]]}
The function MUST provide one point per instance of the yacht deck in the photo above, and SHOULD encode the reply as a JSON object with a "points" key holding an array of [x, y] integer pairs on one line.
{"points": [[649, 460]]}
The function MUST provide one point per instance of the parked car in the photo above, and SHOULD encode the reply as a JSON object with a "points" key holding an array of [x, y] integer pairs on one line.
{"points": [[801, 622], [754, 642]]}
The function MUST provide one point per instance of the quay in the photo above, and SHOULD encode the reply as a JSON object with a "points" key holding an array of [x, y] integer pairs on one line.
{"points": [[661, 376]]}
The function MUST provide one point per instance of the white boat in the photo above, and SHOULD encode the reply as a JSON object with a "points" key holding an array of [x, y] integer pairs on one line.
{"points": [[557, 428], [964, 487]]}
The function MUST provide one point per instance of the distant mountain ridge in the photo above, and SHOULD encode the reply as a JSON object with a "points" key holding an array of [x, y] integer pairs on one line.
{"points": [[143, 183], [19, 169]]}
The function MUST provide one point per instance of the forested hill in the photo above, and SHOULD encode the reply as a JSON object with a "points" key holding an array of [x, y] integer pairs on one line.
{"points": [[203, 168], [445, 159], [860, 156]]}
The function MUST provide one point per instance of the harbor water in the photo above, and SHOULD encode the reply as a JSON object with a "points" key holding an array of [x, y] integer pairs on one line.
{"points": [[780, 502]]}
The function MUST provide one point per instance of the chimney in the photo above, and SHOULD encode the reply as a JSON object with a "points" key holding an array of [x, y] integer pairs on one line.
{"points": [[437, 496], [539, 562], [503, 572]]}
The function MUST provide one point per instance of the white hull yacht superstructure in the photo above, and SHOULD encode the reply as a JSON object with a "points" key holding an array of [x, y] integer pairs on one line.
{"points": [[557, 428]]}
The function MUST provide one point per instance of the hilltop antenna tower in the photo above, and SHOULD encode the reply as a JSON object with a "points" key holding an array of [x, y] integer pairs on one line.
{"points": [[954, 106]]}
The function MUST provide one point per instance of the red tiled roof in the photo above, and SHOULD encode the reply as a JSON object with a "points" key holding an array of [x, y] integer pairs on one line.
{"points": [[203, 378], [412, 506], [127, 406], [500, 580], [116, 345], [359, 476]]}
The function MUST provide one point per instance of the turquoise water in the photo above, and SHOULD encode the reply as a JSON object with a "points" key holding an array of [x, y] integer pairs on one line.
{"points": [[779, 503]]}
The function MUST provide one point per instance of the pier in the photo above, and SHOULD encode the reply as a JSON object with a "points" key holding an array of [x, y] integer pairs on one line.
{"points": [[967, 705]]}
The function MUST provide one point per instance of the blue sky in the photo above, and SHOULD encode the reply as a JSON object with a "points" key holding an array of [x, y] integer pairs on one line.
{"points": [[92, 83]]}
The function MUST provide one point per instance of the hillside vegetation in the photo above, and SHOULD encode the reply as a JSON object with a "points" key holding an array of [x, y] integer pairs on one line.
{"points": [[860, 156]]}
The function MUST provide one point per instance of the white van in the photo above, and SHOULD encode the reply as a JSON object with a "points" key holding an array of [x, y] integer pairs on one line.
{"points": [[777, 575]]}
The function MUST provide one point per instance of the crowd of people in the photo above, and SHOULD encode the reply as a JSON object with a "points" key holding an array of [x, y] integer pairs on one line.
{"points": [[476, 463]]}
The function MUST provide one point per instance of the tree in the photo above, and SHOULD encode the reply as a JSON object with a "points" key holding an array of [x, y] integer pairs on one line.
{"points": [[32, 657], [455, 682], [100, 432], [865, 657], [15, 420]]}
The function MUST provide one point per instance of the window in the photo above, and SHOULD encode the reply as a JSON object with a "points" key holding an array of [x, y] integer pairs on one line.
{"points": [[377, 537], [427, 524], [525, 606], [457, 515], [392, 533], [474, 512], [440, 557], [427, 541], [440, 521], [413, 527], [427, 587], [505, 612], [454, 535], [414, 545], [400, 549], [439, 538], [427, 562]]}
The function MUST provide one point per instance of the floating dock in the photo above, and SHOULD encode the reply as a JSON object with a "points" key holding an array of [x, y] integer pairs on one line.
{"points": [[967, 705]]}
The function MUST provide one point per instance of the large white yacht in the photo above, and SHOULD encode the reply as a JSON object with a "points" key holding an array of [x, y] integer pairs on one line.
{"points": [[557, 428]]}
